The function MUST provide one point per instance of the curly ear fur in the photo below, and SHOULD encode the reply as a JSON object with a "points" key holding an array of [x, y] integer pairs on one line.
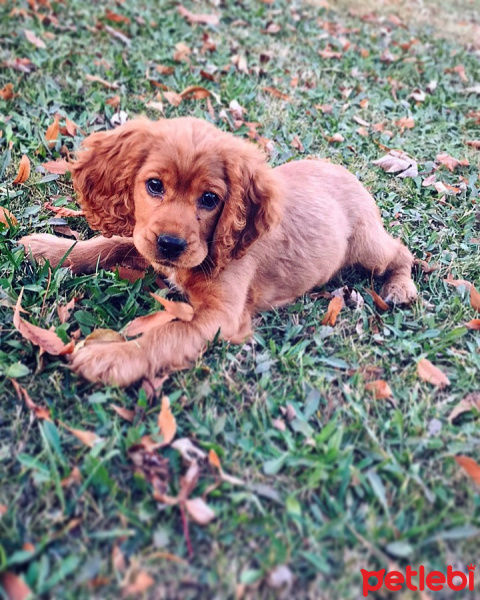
{"points": [[254, 204], [104, 173]]}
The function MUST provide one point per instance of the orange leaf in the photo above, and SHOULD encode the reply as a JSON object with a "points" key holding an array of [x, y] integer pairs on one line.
{"points": [[200, 512], [214, 460], [470, 467], [164, 70], [474, 298], [64, 311], [197, 91], [33, 39], [180, 310], [131, 275], [173, 98], [71, 127], [53, 131], [59, 167], [473, 324], [47, 340], [103, 336], [380, 389], [107, 84], [473, 143], [142, 324], [405, 123], [128, 415], [466, 404], [118, 559], [457, 282], [14, 587], [198, 18], [41, 412], [6, 217], [378, 300], [114, 101], [23, 170], [140, 583], [166, 422], [276, 93], [74, 477], [336, 137], [334, 307], [89, 438], [115, 17], [7, 92], [432, 374], [451, 163], [63, 211], [3, 510]]}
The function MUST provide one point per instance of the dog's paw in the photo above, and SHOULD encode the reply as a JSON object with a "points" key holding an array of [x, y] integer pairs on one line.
{"points": [[116, 363], [399, 292], [43, 246]]}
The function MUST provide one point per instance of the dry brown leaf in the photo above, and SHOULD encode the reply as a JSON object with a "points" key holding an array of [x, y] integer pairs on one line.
{"points": [[142, 324], [405, 123], [180, 310], [164, 70], [398, 162], [471, 467], [173, 98], [198, 18], [473, 324], [189, 451], [53, 131], [329, 53], [432, 374], [33, 39], [334, 307], [430, 180], [473, 143], [97, 79], [128, 415], [155, 105], [64, 310], [378, 300], [131, 275], [63, 211], [457, 282], [14, 587], [71, 127], [41, 412], [200, 512], [182, 52], [6, 217], [7, 92], [196, 91], [474, 298], [276, 93], [23, 170], [89, 438], [118, 559], [74, 477], [451, 163], [336, 137], [114, 101], [465, 405], [214, 460], [47, 340], [363, 132], [103, 336], [139, 584], [115, 17], [297, 144], [166, 422], [59, 167], [119, 35], [380, 388]]}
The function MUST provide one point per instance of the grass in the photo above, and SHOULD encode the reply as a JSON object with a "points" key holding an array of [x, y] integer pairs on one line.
{"points": [[351, 482]]}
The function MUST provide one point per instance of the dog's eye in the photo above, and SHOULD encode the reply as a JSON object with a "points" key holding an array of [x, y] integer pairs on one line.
{"points": [[154, 187], [209, 200]]}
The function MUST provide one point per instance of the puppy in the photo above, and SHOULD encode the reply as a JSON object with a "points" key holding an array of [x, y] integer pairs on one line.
{"points": [[236, 236]]}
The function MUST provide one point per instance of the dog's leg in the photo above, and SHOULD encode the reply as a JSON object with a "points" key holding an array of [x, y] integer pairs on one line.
{"points": [[84, 257], [378, 252]]}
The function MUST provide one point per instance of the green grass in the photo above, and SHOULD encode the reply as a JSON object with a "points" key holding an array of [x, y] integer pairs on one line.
{"points": [[352, 482]]}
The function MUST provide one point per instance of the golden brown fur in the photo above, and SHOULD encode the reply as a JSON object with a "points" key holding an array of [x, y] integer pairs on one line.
{"points": [[274, 235]]}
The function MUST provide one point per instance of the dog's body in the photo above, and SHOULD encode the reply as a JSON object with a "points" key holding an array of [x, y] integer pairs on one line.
{"points": [[272, 235]]}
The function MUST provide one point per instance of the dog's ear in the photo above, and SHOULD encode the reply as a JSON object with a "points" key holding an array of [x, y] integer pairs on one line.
{"points": [[104, 173], [253, 206]]}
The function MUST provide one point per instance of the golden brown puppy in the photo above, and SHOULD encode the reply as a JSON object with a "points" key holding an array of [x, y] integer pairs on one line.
{"points": [[236, 236]]}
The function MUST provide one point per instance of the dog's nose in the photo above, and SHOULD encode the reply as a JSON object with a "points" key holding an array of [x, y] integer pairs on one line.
{"points": [[171, 246]]}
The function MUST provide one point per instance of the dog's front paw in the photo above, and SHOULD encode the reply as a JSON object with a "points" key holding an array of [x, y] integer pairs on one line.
{"points": [[44, 246], [117, 363], [397, 291]]}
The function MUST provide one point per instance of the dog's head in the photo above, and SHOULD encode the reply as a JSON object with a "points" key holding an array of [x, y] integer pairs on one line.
{"points": [[186, 191]]}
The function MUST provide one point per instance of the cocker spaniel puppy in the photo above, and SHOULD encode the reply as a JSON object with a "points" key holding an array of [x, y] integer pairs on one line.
{"points": [[236, 236]]}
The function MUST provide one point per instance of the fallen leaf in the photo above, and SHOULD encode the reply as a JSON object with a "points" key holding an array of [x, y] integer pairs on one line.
{"points": [[329, 53], [128, 415], [297, 144], [128, 273], [272, 28], [200, 512], [276, 93], [23, 170], [182, 52], [198, 92], [189, 451], [363, 132], [64, 310], [474, 298], [380, 388], [145, 323], [115, 17], [114, 101], [140, 583], [74, 477], [173, 98], [3, 510], [240, 62], [53, 131], [59, 167], [432, 374], [473, 324], [198, 18], [405, 123], [47, 339], [334, 307], [89, 438], [33, 39], [164, 70], [7, 92], [166, 422], [378, 300], [180, 310], [14, 587], [155, 105], [474, 144], [7, 218], [118, 559], [336, 137], [430, 180], [470, 467], [103, 336], [97, 79], [418, 95], [398, 162], [41, 412], [63, 211], [23, 65], [119, 35], [465, 405], [214, 460], [457, 282], [451, 163]]}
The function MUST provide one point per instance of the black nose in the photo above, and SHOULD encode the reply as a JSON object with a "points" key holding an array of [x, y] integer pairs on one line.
{"points": [[170, 246]]}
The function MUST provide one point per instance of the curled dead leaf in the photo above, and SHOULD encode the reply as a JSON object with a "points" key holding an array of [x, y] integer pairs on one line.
{"points": [[474, 298], [89, 438], [75, 477], [200, 512], [378, 300], [180, 310], [470, 466], [23, 170], [63, 211], [106, 84], [144, 323], [428, 372], [451, 163], [214, 460], [334, 307], [166, 422], [7, 218], [465, 405], [399, 163], [34, 39], [128, 415], [53, 131], [64, 311], [473, 324], [59, 167], [380, 388], [336, 137], [276, 93], [173, 98], [196, 91], [7, 92], [202, 19], [188, 450], [139, 584], [103, 336]]}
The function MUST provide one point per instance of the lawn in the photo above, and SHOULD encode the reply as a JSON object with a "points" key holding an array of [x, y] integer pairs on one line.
{"points": [[334, 479]]}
